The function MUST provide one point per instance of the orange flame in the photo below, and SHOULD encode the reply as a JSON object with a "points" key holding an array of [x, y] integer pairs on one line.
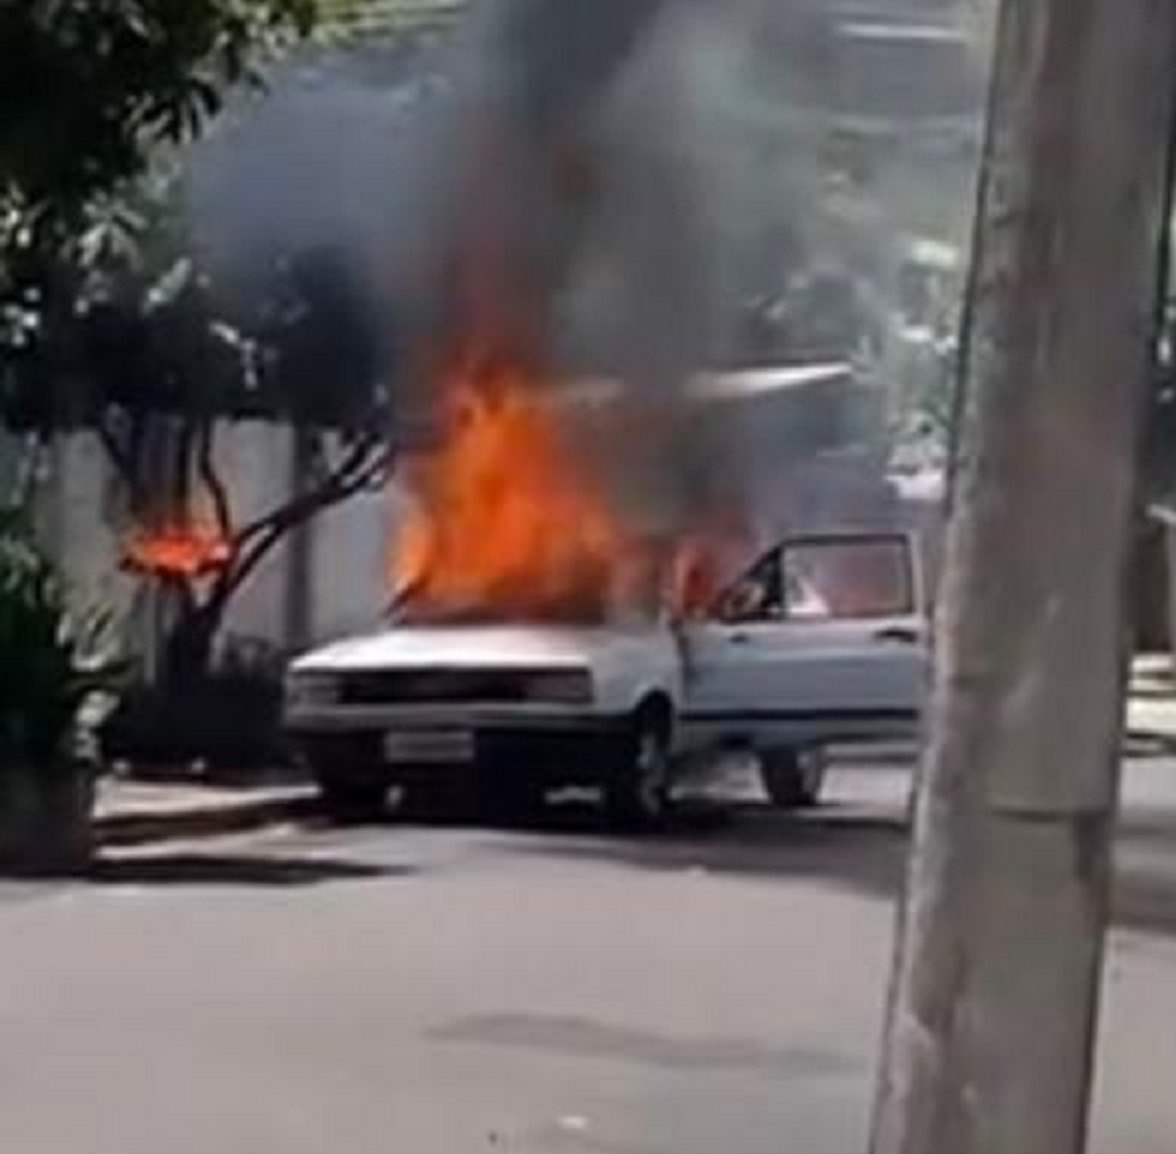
{"points": [[178, 550], [511, 523]]}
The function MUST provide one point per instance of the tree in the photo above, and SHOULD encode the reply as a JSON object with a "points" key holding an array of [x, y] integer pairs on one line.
{"points": [[991, 1023], [109, 322], [146, 351], [89, 90]]}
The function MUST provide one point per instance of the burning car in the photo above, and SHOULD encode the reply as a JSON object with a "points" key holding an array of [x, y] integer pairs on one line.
{"points": [[538, 640], [819, 642]]}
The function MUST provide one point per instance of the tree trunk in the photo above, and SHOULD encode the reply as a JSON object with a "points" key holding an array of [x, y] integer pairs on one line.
{"points": [[990, 1031], [188, 649]]}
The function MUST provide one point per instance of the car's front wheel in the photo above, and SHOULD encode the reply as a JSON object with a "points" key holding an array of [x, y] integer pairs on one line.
{"points": [[637, 792], [793, 777], [510, 795], [351, 799]]}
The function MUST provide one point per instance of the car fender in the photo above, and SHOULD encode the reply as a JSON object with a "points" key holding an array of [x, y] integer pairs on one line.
{"points": [[635, 669]]}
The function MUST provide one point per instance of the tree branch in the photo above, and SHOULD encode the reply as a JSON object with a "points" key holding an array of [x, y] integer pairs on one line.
{"points": [[363, 465], [124, 450], [119, 457], [211, 478], [28, 471]]}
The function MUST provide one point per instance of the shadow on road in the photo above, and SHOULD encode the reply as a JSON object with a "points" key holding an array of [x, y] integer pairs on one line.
{"points": [[1141, 744], [1145, 902], [1145, 891], [571, 1036], [847, 847], [861, 851], [852, 843], [205, 869]]}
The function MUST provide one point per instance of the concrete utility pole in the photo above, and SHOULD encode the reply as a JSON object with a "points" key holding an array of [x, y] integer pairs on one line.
{"points": [[989, 1041]]}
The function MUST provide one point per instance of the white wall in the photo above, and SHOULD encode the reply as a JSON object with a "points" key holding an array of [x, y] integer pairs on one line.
{"points": [[350, 567]]}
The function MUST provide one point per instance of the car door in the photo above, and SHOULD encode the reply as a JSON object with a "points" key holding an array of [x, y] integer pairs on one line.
{"points": [[823, 639]]}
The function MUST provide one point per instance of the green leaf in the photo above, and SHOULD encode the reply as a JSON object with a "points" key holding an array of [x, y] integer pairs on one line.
{"points": [[41, 683]]}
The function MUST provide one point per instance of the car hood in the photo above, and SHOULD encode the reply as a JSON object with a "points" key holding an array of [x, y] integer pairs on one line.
{"points": [[474, 647]]}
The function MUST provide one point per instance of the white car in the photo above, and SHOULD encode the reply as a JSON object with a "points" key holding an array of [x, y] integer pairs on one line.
{"points": [[821, 641]]}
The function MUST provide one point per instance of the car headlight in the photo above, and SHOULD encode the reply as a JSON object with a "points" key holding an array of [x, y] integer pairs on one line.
{"points": [[561, 687], [305, 689]]}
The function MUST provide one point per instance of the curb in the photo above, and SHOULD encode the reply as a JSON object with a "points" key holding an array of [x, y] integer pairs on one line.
{"points": [[136, 828]]}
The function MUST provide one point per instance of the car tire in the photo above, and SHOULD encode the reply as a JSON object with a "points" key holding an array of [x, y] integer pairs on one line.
{"points": [[637, 792], [347, 798], [510, 797], [446, 797], [793, 777]]}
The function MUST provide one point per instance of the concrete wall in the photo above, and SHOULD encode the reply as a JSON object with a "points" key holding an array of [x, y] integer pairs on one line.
{"points": [[350, 566]]}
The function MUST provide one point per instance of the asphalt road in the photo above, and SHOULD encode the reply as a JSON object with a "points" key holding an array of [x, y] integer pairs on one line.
{"points": [[453, 990]]}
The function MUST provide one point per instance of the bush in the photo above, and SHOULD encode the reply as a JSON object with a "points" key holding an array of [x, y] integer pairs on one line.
{"points": [[46, 789], [41, 682], [226, 721]]}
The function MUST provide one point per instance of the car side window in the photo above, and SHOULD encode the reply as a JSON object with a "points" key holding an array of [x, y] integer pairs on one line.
{"points": [[757, 596], [848, 578], [802, 596]]}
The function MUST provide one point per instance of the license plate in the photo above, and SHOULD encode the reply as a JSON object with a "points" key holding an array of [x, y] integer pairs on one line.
{"points": [[428, 745]]}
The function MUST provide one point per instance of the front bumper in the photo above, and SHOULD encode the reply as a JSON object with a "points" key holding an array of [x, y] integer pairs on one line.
{"points": [[565, 746], [380, 718]]}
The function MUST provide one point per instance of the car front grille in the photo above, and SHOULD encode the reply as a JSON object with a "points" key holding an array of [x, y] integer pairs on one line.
{"points": [[410, 687]]}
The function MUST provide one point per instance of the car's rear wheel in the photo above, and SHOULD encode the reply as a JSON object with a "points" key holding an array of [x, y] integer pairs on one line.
{"points": [[793, 777], [637, 793]]}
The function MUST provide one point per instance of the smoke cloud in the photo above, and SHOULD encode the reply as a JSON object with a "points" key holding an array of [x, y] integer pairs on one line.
{"points": [[581, 215], [596, 158], [606, 182]]}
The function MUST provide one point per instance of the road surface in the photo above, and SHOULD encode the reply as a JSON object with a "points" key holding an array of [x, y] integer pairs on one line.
{"points": [[417, 990]]}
